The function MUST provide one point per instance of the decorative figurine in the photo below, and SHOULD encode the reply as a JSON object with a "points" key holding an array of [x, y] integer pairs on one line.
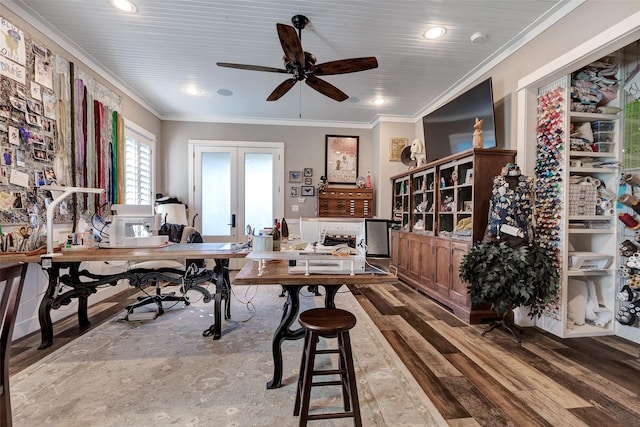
{"points": [[478, 139], [418, 153], [322, 185]]}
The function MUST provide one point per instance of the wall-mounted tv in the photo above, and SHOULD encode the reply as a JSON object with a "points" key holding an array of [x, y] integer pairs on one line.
{"points": [[449, 129]]}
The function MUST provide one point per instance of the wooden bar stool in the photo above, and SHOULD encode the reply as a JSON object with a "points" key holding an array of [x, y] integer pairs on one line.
{"points": [[327, 323]]}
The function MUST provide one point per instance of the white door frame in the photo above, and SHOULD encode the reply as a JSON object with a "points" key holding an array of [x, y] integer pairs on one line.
{"points": [[278, 203]]}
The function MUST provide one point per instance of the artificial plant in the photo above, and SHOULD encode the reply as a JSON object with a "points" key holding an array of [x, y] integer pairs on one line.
{"points": [[509, 277]]}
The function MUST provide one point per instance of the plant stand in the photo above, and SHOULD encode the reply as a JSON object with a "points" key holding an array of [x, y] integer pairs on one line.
{"points": [[511, 327]]}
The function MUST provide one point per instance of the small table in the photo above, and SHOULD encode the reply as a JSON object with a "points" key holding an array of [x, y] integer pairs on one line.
{"points": [[267, 269], [81, 289]]}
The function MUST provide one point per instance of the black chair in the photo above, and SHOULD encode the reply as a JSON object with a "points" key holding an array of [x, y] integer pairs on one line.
{"points": [[12, 279], [178, 233]]}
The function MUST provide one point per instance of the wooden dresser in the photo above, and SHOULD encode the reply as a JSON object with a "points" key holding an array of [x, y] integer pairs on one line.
{"points": [[346, 202]]}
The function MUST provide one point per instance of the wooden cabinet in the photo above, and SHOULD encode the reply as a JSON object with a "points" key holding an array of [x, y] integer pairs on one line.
{"points": [[346, 202], [441, 209]]}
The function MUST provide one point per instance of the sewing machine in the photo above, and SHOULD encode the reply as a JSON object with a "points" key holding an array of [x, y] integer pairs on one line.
{"points": [[134, 226], [331, 236]]}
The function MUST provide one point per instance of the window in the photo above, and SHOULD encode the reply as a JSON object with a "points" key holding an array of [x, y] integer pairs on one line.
{"points": [[139, 164]]}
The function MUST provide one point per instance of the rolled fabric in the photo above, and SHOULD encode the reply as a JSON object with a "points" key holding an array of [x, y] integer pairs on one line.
{"points": [[605, 205], [630, 201], [597, 182], [631, 179]]}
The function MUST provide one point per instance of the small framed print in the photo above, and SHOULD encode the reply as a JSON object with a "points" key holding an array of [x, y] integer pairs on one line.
{"points": [[308, 181], [308, 171], [466, 207], [469, 177], [293, 191], [308, 190], [295, 176]]}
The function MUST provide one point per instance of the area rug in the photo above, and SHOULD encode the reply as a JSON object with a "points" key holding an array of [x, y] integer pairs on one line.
{"points": [[164, 372]]}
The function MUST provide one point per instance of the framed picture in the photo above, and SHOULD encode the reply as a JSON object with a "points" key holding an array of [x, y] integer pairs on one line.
{"points": [[308, 190], [395, 148], [308, 171], [341, 159], [308, 181], [293, 191], [469, 177], [295, 176]]}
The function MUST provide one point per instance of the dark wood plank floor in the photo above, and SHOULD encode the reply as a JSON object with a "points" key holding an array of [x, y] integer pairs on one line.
{"points": [[471, 380]]}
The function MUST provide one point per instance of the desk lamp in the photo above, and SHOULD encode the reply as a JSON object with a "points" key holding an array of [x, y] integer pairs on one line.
{"points": [[66, 191]]}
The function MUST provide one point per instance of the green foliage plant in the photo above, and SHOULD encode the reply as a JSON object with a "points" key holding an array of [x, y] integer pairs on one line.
{"points": [[509, 277]]}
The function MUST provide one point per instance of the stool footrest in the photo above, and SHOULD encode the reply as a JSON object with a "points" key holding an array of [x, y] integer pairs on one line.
{"points": [[330, 415], [328, 351], [330, 372], [323, 383]]}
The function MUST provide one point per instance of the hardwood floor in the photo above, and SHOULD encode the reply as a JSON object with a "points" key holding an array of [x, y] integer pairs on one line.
{"points": [[471, 379]]}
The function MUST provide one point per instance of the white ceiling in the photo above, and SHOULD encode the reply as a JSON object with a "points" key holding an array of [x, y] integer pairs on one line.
{"points": [[169, 44]]}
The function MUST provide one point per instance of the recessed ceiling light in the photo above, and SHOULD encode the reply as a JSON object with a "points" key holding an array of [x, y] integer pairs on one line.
{"points": [[124, 5], [377, 100], [435, 33], [192, 90]]}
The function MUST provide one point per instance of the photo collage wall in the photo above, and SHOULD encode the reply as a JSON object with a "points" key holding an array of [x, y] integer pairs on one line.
{"points": [[40, 139]]}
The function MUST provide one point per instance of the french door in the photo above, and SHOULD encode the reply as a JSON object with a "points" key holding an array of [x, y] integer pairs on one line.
{"points": [[235, 185]]}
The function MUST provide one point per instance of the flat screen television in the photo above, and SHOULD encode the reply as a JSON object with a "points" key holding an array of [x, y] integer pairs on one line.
{"points": [[449, 129]]}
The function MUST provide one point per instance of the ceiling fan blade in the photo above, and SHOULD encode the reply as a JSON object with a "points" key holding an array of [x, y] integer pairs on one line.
{"points": [[252, 67], [291, 44], [326, 88], [344, 66], [282, 88]]}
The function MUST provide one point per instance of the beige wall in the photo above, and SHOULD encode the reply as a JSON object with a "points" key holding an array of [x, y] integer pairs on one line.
{"points": [[304, 148]]}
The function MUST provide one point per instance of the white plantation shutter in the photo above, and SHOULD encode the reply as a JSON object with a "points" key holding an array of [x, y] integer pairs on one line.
{"points": [[138, 166]]}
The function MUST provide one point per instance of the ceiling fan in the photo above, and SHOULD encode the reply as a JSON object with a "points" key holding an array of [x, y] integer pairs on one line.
{"points": [[302, 65]]}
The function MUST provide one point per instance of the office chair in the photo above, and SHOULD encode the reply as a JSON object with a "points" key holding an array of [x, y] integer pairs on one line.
{"points": [[178, 233], [12, 278]]}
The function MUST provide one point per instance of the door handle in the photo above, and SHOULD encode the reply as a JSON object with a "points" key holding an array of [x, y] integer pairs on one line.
{"points": [[233, 221]]}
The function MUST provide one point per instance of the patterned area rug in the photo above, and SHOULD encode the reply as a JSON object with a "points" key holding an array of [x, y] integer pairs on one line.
{"points": [[164, 372]]}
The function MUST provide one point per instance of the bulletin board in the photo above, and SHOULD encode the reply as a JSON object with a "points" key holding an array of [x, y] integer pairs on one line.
{"points": [[58, 125]]}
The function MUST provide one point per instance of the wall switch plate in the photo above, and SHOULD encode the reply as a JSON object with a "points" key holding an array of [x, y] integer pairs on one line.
{"points": [[295, 208]]}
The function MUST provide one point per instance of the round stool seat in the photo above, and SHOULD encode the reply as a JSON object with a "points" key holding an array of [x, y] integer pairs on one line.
{"points": [[327, 321]]}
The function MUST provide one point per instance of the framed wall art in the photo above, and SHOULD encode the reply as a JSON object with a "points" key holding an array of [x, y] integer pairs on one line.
{"points": [[308, 181], [293, 191], [308, 190], [341, 159], [395, 148], [295, 176], [308, 171]]}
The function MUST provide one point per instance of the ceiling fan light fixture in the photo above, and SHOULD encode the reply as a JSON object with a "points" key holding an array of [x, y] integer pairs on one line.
{"points": [[378, 100], [124, 5], [434, 33]]}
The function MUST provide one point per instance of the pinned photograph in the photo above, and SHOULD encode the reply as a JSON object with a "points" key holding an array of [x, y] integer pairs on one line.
{"points": [[50, 175]]}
